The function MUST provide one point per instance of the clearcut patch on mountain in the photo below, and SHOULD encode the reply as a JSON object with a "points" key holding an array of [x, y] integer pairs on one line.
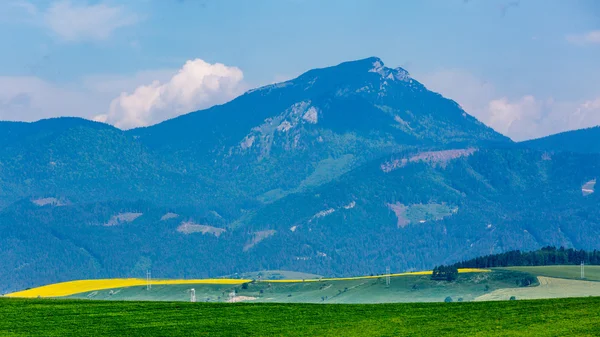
{"points": [[588, 188], [188, 227]]}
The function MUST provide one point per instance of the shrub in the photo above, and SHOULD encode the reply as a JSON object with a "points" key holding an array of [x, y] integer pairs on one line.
{"points": [[448, 299]]}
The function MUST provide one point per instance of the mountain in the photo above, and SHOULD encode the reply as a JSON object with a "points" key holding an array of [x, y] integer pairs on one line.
{"points": [[74, 160], [341, 171], [284, 137], [579, 141]]}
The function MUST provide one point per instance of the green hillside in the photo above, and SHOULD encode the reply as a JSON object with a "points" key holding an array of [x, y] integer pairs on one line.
{"points": [[421, 288], [559, 317]]}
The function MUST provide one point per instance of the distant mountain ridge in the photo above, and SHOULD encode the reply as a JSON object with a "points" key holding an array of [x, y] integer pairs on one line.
{"points": [[579, 141], [340, 171]]}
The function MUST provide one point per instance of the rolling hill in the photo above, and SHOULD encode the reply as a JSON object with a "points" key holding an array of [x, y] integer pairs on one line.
{"points": [[524, 282]]}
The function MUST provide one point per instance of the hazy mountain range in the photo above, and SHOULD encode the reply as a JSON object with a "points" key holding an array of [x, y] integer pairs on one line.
{"points": [[342, 171]]}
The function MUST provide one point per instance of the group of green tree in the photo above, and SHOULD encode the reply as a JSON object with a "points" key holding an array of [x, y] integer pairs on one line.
{"points": [[444, 273], [543, 257]]}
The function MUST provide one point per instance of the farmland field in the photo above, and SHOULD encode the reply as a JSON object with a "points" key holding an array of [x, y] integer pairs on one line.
{"points": [[471, 285], [412, 288], [549, 287], [592, 273], [48, 317]]}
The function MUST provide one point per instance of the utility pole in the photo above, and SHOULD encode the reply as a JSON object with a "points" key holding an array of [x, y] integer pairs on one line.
{"points": [[192, 295], [387, 276], [148, 278], [582, 269]]}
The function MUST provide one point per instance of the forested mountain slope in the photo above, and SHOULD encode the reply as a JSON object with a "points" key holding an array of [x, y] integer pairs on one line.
{"points": [[341, 171], [580, 141]]}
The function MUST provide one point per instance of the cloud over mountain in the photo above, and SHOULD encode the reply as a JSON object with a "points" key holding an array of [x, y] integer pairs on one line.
{"points": [[197, 85], [521, 117]]}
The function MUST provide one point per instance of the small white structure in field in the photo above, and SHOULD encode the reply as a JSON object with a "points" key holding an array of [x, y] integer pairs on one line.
{"points": [[192, 295], [232, 295]]}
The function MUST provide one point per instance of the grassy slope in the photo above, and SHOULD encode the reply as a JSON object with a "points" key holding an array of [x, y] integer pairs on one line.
{"points": [[100, 318], [592, 273], [274, 275], [402, 289]]}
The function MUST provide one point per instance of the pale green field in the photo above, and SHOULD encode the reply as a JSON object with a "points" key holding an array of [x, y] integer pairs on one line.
{"points": [[592, 273], [549, 287], [499, 284], [417, 288]]}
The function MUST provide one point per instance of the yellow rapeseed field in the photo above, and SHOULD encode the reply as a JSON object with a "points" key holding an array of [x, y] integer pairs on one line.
{"points": [[81, 286], [415, 273]]}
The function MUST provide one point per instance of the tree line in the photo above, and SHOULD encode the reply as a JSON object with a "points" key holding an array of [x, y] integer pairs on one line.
{"points": [[543, 257]]}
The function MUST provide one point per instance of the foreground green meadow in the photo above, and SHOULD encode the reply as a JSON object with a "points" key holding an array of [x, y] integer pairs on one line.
{"points": [[47, 317]]}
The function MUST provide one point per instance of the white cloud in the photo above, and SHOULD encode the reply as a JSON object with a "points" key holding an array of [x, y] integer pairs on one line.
{"points": [[71, 21], [196, 85], [28, 98], [522, 117], [591, 37], [517, 118], [126, 101], [76, 22]]}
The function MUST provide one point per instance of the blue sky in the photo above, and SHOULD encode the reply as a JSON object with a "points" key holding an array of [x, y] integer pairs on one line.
{"points": [[528, 68]]}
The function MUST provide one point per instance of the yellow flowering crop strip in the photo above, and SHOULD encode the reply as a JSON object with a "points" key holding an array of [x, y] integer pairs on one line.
{"points": [[415, 273], [82, 286]]}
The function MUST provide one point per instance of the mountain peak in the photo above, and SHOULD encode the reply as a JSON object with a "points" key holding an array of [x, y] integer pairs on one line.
{"points": [[366, 63], [358, 69], [375, 65]]}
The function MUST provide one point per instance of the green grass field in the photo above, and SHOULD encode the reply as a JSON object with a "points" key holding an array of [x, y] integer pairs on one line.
{"points": [[592, 273], [467, 287], [48, 317]]}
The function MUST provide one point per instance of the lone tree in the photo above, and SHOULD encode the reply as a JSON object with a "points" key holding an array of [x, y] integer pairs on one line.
{"points": [[444, 273]]}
